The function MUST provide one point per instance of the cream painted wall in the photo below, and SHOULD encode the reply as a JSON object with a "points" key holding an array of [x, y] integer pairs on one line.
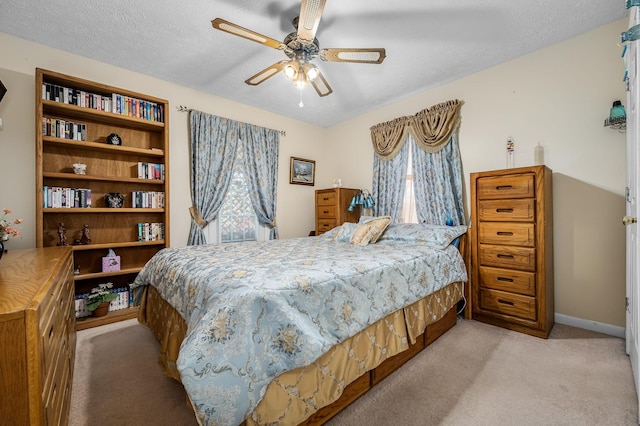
{"points": [[559, 96], [295, 204]]}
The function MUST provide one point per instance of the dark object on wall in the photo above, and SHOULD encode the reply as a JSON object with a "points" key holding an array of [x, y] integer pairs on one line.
{"points": [[3, 90], [114, 139], [114, 199]]}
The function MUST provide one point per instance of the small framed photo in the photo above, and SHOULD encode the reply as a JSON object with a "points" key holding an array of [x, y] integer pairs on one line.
{"points": [[303, 172], [3, 90]]}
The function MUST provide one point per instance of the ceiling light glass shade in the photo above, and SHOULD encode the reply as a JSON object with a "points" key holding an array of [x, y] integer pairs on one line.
{"points": [[291, 70], [311, 71]]}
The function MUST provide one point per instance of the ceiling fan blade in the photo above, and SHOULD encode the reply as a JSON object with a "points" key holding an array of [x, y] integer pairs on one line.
{"points": [[266, 73], [310, 14], [228, 27], [363, 56], [320, 84]]}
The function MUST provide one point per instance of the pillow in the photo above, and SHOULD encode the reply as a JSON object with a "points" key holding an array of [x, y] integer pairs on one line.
{"points": [[436, 236], [370, 231], [344, 232]]}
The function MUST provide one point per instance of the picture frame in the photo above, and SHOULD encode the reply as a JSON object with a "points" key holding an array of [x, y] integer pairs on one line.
{"points": [[302, 171], [3, 90]]}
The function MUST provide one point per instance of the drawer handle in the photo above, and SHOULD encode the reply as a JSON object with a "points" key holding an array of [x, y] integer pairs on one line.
{"points": [[325, 226], [504, 187], [506, 302], [504, 210], [505, 256], [504, 233], [505, 279], [325, 211], [325, 199]]}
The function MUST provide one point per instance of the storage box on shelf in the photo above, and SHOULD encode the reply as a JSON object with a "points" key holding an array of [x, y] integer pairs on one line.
{"points": [[85, 116]]}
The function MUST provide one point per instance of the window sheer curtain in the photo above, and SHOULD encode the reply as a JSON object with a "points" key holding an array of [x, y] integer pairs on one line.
{"points": [[432, 134], [214, 141]]}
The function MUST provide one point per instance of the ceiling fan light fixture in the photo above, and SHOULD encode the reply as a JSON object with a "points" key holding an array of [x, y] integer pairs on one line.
{"points": [[311, 71], [291, 70]]}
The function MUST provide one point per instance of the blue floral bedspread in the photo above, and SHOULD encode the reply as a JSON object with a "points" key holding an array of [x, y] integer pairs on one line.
{"points": [[255, 310]]}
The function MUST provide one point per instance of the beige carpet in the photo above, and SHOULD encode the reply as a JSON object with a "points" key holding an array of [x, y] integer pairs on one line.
{"points": [[476, 374]]}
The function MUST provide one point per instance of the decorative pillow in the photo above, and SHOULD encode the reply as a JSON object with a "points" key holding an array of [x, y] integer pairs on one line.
{"points": [[344, 232], [436, 236], [370, 231]]}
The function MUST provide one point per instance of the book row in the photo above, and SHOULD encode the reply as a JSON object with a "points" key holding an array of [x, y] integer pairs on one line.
{"points": [[123, 301], [64, 129], [150, 231], [56, 197], [150, 171], [147, 199], [115, 103]]}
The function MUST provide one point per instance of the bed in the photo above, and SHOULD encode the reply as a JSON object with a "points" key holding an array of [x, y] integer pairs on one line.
{"points": [[290, 331]]}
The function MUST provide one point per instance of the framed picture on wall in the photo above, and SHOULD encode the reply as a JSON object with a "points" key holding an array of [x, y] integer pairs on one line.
{"points": [[3, 90], [302, 172]]}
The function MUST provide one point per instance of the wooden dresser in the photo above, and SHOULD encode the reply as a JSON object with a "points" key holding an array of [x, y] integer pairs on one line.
{"points": [[37, 331], [512, 249], [331, 208]]}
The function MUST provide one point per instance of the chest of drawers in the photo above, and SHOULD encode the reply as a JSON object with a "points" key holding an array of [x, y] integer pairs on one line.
{"points": [[512, 249], [332, 208], [37, 331]]}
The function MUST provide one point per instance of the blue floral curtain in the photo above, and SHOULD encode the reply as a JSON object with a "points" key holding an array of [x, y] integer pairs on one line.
{"points": [[261, 148], [389, 177], [433, 137], [214, 142], [438, 183], [213, 151]]}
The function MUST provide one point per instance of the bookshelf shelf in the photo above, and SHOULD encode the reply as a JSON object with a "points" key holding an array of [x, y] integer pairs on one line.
{"points": [[111, 317], [70, 108], [72, 176], [102, 147]]}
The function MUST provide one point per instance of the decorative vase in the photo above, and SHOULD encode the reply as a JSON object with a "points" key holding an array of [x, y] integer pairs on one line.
{"points": [[101, 310], [114, 199], [1, 248]]}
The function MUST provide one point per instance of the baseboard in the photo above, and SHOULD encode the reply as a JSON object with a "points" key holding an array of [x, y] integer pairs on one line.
{"points": [[600, 327]]}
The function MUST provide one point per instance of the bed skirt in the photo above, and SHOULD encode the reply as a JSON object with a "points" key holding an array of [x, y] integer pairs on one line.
{"points": [[296, 395]]}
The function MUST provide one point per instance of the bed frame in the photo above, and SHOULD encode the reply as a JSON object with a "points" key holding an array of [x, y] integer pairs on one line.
{"points": [[367, 381]]}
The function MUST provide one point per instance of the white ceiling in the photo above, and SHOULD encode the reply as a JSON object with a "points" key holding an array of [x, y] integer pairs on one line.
{"points": [[428, 43]]}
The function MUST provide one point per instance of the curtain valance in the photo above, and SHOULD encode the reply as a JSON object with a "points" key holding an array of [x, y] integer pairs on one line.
{"points": [[431, 128]]}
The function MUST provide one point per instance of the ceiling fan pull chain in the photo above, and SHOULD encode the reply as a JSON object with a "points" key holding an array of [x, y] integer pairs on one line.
{"points": [[301, 104]]}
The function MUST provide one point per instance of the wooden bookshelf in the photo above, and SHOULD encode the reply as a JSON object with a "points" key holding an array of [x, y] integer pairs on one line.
{"points": [[143, 129]]}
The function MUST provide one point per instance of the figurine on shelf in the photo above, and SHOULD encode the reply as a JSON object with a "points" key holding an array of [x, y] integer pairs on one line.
{"points": [[84, 239], [62, 234]]}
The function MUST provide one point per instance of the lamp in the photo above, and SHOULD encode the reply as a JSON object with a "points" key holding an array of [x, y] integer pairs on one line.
{"points": [[362, 198], [617, 117]]}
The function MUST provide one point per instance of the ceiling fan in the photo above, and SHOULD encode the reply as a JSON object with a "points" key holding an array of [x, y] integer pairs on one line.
{"points": [[302, 47]]}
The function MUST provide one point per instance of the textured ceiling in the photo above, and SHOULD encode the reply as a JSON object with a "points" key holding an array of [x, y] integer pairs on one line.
{"points": [[428, 43]]}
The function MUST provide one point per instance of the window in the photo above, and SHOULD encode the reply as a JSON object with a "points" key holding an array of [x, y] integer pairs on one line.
{"points": [[236, 221], [409, 213]]}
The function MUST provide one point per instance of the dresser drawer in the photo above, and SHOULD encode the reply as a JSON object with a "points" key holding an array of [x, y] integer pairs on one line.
{"points": [[515, 210], [515, 186], [325, 225], [522, 258], [326, 212], [508, 303], [508, 280], [326, 198], [515, 234]]}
